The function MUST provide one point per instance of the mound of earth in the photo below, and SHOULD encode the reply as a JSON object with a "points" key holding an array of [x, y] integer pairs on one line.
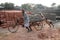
{"points": [[46, 33]]}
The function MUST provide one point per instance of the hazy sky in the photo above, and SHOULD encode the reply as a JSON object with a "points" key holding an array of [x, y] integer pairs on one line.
{"points": [[44, 2]]}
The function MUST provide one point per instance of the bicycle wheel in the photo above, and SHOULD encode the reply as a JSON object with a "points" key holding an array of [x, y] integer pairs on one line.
{"points": [[38, 27], [51, 25], [13, 28]]}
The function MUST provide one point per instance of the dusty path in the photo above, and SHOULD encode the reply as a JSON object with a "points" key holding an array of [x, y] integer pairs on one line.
{"points": [[45, 34]]}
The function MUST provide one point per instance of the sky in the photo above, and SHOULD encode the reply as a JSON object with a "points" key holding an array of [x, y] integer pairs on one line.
{"points": [[43, 2]]}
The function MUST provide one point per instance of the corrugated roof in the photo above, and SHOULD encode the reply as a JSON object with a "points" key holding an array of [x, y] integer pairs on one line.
{"points": [[1, 7], [57, 16]]}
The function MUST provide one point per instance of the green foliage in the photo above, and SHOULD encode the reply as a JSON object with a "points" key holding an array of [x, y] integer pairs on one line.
{"points": [[58, 10], [53, 4], [58, 6], [7, 5], [26, 7], [2, 4], [39, 6]]}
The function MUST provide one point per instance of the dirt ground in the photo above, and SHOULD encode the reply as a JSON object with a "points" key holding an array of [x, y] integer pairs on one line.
{"points": [[46, 33]]}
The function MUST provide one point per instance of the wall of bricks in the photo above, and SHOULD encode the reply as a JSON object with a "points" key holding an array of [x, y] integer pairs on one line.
{"points": [[10, 15]]}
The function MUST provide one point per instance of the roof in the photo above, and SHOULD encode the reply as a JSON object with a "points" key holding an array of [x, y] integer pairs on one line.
{"points": [[1, 7], [57, 16], [10, 11]]}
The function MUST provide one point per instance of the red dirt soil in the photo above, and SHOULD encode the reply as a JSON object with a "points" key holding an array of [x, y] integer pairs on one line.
{"points": [[44, 34]]}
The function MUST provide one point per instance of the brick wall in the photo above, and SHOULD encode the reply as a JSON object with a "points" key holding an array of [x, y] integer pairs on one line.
{"points": [[10, 15]]}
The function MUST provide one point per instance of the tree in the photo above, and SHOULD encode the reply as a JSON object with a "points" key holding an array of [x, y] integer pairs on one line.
{"points": [[7, 5], [2, 4], [58, 6], [53, 4], [26, 7], [58, 10], [38, 8]]}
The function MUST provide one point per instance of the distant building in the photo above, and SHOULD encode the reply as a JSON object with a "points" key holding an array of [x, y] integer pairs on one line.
{"points": [[1, 7], [57, 17], [17, 8]]}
